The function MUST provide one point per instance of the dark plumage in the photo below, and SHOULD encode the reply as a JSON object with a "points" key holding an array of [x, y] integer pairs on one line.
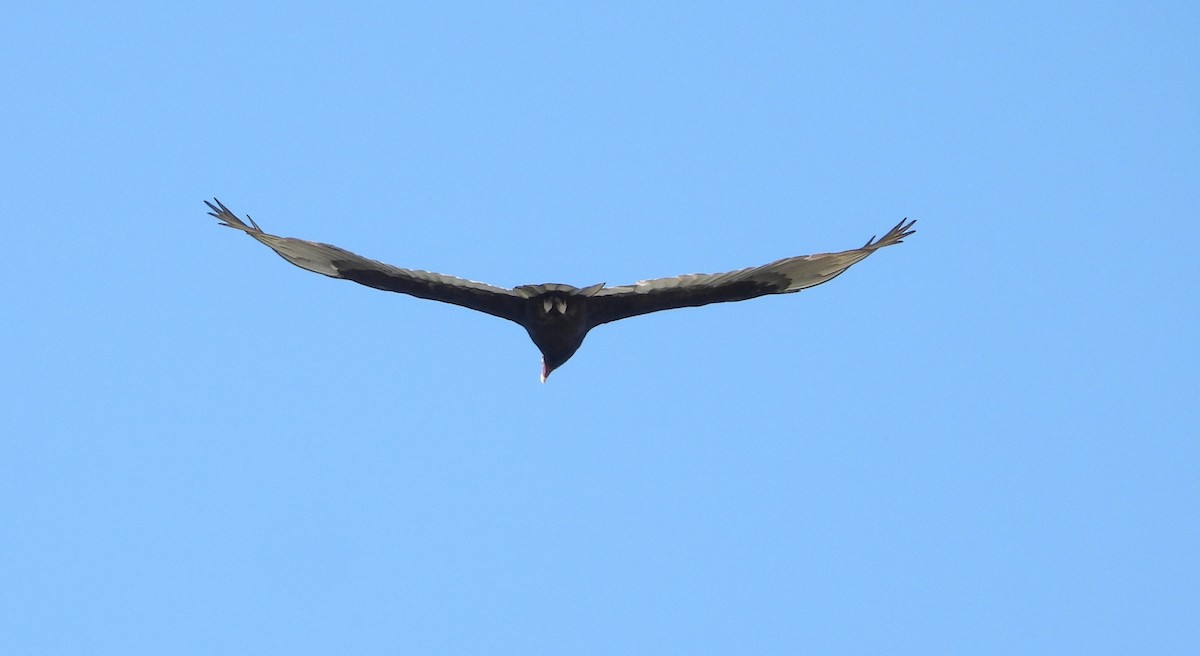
{"points": [[558, 316]]}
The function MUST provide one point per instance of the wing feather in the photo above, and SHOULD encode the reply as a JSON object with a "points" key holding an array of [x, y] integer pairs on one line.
{"points": [[335, 262], [784, 276]]}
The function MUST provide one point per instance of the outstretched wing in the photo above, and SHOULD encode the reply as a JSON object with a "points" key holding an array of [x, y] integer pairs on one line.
{"points": [[781, 277], [340, 263]]}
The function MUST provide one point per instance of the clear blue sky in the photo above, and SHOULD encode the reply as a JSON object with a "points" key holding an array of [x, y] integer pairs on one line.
{"points": [[984, 441]]}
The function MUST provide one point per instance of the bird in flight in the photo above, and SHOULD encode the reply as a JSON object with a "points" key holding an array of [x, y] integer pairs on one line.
{"points": [[559, 316]]}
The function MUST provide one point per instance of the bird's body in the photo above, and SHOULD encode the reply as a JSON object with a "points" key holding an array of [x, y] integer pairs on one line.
{"points": [[557, 316]]}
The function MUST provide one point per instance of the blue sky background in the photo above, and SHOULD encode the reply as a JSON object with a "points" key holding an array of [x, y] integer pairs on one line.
{"points": [[982, 441]]}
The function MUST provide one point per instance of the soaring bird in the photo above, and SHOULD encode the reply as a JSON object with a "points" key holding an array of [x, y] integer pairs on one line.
{"points": [[559, 316]]}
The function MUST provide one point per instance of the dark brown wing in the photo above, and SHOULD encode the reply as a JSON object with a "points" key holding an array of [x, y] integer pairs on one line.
{"points": [[340, 263], [781, 277]]}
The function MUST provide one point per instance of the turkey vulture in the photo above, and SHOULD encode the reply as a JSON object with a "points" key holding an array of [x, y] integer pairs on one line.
{"points": [[558, 316]]}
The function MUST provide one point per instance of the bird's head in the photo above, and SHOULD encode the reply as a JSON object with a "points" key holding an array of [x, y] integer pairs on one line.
{"points": [[554, 360], [557, 348]]}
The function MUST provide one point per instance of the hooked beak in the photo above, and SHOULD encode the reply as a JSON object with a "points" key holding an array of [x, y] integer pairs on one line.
{"points": [[545, 371]]}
